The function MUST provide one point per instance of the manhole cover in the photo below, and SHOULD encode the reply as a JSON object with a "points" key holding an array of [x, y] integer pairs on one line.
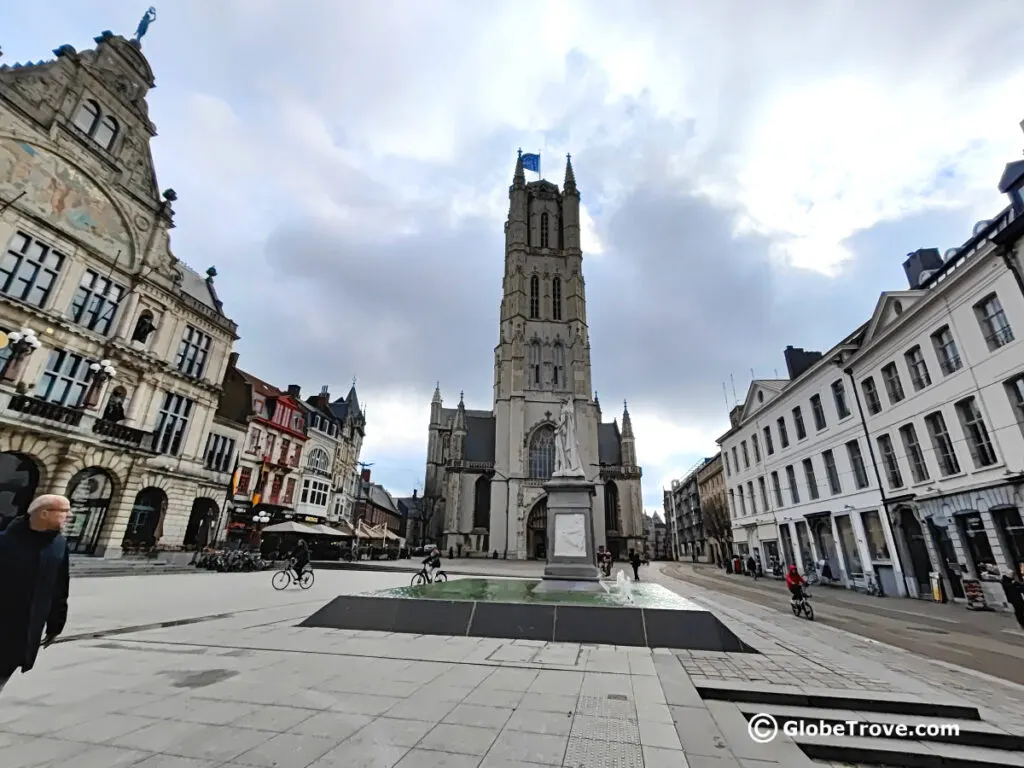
{"points": [[617, 697], [930, 630]]}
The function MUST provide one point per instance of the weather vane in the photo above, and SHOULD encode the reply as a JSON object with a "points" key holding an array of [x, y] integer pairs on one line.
{"points": [[147, 18]]}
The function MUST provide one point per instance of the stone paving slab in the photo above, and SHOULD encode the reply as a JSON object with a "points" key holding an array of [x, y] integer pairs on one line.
{"points": [[254, 690]]}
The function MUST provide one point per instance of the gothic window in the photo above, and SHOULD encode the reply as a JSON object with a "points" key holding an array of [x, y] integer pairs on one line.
{"points": [[558, 375], [534, 297], [556, 298], [535, 363], [87, 116], [106, 132], [542, 453], [611, 507], [482, 504], [544, 230]]}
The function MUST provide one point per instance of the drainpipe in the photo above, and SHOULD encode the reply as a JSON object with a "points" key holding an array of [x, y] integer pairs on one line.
{"points": [[878, 477], [1011, 265]]}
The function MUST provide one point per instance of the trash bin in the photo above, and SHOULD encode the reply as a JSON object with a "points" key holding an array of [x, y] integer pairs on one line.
{"points": [[936, 582]]}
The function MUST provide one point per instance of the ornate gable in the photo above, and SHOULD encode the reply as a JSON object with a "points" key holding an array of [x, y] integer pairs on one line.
{"points": [[890, 306]]}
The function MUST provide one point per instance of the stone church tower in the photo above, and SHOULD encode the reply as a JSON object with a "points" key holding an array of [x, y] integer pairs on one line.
{"points": [[486, 469]]}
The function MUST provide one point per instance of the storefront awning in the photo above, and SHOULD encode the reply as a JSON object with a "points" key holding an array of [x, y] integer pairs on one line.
{"points": [[292, 527], [325, 530], [813, 515]]}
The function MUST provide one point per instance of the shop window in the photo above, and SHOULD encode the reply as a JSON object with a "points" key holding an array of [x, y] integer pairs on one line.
{"points": [[978, 546], [1008, 521], [851, 553]]}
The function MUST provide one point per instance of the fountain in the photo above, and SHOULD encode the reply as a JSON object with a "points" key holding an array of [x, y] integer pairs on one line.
{"points": [[569, 604]]}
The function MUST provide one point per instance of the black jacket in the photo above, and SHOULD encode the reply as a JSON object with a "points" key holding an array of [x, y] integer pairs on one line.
{"points": [[35, 577]]}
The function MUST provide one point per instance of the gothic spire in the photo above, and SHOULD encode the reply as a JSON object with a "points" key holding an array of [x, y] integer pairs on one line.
{"points": [[569, 185], [519, 178], [460, 416], [437, 394], [627, 423]]}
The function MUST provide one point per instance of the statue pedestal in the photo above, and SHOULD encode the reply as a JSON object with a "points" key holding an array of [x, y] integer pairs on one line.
{"points": [[570, 540]]}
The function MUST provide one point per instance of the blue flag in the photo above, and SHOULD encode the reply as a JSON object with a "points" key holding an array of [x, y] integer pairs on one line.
{"points": [[531, 163]]}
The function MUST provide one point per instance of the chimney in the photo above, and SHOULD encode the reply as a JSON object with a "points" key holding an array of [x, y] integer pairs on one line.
{"points": [[365, 476], [294, 390], [232, 361], [324, 398], [799, 360], [734, 416], [920, 261], [414, 492]]}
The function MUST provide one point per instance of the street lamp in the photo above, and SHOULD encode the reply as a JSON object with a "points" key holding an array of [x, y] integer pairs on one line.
{"points": [[21, 343], [102, 370]]}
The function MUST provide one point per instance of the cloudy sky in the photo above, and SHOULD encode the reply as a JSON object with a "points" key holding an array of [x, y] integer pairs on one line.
{"points": [[753, 175]]}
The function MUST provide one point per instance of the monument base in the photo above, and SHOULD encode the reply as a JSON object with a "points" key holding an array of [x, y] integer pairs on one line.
{"points": [[571, 560]]}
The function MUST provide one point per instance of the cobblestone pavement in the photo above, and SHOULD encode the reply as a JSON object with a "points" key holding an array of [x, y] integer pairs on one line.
{"points": [[251, 689]]}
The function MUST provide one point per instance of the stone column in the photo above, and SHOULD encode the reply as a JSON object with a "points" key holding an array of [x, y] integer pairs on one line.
{"points": [[67, 467]]}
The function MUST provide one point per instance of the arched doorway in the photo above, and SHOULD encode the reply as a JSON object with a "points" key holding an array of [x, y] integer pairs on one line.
{"points": [[90, 492], [19, 478], [613, 530], [145, 523], [201, 523], [537, 531]]}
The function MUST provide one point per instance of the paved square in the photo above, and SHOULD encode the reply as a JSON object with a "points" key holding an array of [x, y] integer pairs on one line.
{"points": [[249, 688]]}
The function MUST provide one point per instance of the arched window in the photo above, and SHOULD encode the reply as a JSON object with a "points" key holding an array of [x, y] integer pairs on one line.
{"points": [[106, 131], [87, 117], [534, 297], [556, 298], [558, 373], [143, 327], [535, 363], [482, 504], [544, 230], [318, 461], [542, 453], [611, 507]]}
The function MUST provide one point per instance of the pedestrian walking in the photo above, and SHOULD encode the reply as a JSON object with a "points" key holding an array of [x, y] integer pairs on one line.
{"points": [[35, 577], [634, 560]]}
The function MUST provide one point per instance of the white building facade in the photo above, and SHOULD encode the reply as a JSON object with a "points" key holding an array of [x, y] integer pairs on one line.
{"points": [[898, 456]]}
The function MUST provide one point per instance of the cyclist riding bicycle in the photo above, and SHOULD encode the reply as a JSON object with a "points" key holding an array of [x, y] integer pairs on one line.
{"points": [[432, 563], [301, 556], [796, 583]]}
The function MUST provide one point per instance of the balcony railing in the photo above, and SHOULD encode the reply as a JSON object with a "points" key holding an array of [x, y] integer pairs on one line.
{"points": [[34, 406], [121, 433]]}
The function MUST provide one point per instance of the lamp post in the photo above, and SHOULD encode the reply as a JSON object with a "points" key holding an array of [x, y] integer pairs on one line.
{"points": [[22, 343], [102, 372], [261, 518]]}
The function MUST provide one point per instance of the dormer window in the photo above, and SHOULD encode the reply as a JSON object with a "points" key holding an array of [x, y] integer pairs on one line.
{"points": [[102, 129]]}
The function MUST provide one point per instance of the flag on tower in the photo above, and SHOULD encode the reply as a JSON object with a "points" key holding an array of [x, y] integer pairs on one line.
{"points": [[531, 162]]}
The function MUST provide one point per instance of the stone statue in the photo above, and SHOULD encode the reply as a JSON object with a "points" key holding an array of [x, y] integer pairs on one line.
{"points": [[567, 450], [147, 18]]}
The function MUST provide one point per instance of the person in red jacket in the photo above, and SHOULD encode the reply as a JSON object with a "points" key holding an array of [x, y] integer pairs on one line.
{"points": [[795, 582]]}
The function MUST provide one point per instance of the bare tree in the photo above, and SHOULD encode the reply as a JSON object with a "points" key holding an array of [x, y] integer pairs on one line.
{"points": [[717, 525]]}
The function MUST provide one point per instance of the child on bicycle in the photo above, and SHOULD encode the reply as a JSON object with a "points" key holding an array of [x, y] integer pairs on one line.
{"points": [[432, 563], [795, 582]]}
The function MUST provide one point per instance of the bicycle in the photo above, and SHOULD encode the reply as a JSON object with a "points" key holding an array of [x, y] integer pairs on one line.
{"points": [[424, 578], [286, 577], [802, 606]]}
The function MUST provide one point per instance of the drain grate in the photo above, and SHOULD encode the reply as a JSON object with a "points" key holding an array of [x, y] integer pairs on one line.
{"points": [[617, 697], [929, 630]]}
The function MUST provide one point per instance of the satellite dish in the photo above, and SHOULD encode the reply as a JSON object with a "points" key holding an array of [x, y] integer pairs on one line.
{"points": [[980, 226], [950, 253], [925, 275]]}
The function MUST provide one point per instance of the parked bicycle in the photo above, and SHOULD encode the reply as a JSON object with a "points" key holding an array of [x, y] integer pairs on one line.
{"points": [[286, 577], [803, 606], [423, 577]]}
